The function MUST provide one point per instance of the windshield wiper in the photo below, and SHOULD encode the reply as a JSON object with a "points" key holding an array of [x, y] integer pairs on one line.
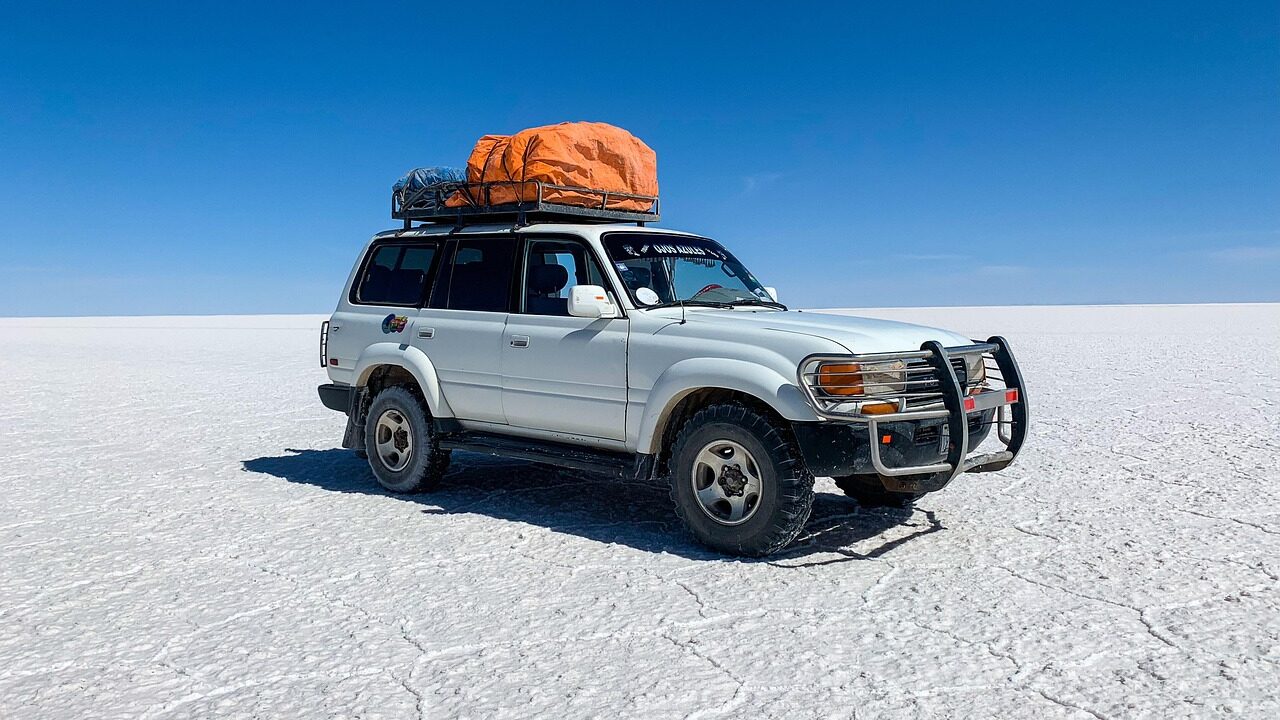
{"points": [[758, 301], [693, 303]]}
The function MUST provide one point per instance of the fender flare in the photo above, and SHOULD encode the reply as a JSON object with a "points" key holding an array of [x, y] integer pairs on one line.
{"points": [[768, 385], [412, 359]]}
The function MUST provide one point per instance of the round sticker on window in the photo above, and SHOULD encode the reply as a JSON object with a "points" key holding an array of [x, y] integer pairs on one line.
{"points": [[647, 296]]}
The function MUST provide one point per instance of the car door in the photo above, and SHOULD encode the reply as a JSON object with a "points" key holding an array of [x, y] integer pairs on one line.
{"points": [[389, 288], [563, 374], [461, 329]]}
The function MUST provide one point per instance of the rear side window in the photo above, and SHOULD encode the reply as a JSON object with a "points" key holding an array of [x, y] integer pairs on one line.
{"points": [[396, 274], [478, 278]]}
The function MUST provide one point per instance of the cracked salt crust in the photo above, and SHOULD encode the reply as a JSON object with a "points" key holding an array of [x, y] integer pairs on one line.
{"points": [[182, 539]]}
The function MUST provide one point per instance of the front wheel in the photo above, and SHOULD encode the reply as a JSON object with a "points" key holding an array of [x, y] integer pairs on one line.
{"points": [[738, 482]]}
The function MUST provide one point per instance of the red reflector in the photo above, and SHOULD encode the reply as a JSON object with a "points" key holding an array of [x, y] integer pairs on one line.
{"points": [[886, 439], [333, 361], [1011, 395], [969, 404]]}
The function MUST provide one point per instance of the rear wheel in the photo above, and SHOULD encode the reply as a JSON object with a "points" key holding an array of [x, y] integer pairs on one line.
{"points": [[738, 482], [402, 450], [870, 492]]}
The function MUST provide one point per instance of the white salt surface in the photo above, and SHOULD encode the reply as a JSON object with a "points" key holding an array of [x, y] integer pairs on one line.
{"points": [[182, 539]]}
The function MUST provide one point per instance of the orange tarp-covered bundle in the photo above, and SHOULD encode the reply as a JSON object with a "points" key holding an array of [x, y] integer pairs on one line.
{"points": [[595, 156]]}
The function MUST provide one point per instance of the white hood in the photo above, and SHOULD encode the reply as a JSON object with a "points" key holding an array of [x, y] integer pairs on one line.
{"points": [[855, 334]]}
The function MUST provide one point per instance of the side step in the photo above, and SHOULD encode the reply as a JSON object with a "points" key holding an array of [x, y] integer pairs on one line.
{"points": [[604, 462]]}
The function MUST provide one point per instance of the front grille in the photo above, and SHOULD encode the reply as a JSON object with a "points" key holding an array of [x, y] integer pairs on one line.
{"points": [[926, 388]]}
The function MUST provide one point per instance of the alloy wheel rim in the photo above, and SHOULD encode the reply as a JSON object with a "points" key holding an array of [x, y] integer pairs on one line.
{"points": [[393, 440], [726, 482]]}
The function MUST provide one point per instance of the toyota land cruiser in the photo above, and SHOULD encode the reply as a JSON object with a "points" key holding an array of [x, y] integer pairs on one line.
{"points": [[651, 354]]}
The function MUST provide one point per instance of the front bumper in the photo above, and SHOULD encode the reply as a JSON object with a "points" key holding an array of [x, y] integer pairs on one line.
{"points": [[889, 445], [836, 449]]}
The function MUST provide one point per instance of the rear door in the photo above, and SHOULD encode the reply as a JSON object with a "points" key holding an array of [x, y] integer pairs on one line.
{"points": [[560, 373], [461, 329]]}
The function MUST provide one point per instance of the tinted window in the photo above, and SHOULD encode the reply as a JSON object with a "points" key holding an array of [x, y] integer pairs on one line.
{"points": [[418, 258], [552, 267], [396, 275], [479, 278]]}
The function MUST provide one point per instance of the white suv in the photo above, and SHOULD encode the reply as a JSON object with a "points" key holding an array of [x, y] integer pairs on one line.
{"points": [[651, 354]]}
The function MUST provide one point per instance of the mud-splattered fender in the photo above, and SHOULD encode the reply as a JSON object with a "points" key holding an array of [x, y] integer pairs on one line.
{"points": [[412, 359], [775, 389]]}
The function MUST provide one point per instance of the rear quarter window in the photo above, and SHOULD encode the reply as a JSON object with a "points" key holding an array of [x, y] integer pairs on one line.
{"points": [[396, 274]]}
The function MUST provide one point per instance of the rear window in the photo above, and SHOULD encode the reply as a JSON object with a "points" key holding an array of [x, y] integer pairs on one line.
{"points": [[479, 278], [396, 274]]}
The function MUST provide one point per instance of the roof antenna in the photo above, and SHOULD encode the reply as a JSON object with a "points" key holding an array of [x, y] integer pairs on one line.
{"points": [[682, 312]]}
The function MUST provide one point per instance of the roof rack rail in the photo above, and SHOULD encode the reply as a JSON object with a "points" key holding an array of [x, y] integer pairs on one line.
{"points": [[427, 204]]}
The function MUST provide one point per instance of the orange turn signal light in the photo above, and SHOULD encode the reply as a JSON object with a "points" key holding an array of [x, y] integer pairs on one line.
{"points": [[840, 379], [878, 408]]}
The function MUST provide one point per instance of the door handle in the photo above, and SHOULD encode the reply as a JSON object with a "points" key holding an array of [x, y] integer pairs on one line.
{"points": [[519, 341], [426, 333]]}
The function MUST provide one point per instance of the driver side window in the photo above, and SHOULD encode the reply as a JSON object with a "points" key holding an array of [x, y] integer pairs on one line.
{"points": [[551, 268]]}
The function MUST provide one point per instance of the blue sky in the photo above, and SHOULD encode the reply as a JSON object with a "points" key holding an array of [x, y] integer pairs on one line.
{"points": [[187, 158]]}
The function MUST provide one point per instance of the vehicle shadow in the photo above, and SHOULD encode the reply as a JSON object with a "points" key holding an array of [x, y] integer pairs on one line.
{"points": [[638, 515]]}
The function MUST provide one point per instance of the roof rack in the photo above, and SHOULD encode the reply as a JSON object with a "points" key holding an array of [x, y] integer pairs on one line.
{"points": [[427, 204]]}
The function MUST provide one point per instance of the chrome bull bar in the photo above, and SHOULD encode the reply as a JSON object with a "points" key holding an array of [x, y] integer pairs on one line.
{"points": [[956, 400]]}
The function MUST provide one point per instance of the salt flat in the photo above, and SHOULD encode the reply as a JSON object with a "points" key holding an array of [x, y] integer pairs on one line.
{"points": [[182, 539]]}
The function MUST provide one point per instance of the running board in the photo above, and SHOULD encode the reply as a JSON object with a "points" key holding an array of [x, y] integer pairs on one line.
{"points": [[612, 464]]}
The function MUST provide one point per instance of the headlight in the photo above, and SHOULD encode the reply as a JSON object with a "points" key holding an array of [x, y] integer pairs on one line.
{"points": [[975, 368], [860, 379]]}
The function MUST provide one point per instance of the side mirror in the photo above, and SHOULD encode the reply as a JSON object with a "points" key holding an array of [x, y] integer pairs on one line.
{"points": [[590, 301], [773, 293]]}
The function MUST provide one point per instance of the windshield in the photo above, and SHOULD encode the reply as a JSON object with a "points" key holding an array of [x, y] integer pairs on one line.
{"points": [[669, 269]]}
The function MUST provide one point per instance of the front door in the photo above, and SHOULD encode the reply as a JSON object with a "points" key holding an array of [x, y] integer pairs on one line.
{"points": [[560, 373], [461, 330]]}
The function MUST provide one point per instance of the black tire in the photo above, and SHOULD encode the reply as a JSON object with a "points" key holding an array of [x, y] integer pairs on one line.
{"points": [[785, 496], [426, 463], [870, 492]]}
